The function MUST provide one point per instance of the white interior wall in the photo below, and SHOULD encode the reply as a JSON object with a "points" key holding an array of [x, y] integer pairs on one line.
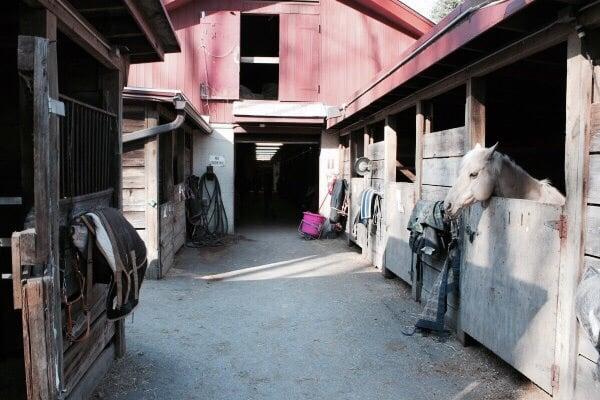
{"points": [[219, 143], [328, 166]]}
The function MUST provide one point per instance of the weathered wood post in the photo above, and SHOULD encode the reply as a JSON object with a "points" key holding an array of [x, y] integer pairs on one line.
{"points": [[41, 315], [579, 99], [151, 155]]}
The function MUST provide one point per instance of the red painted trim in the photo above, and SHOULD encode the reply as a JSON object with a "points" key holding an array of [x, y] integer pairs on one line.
{"points": [[458, 36], [278, 120], [399, 14]]}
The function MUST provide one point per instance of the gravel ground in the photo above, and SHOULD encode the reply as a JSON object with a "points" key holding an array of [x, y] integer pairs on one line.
{"points": [[272, 316]]}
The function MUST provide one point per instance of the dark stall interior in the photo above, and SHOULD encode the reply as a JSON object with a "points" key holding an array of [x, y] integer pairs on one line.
{"points": [[447, 110], [275, 182], [525, 113], [406, 136], [12, 211]]}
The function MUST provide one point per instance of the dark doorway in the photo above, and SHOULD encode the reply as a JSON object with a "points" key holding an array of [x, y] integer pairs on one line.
{"points": [[275, 182], [526, 111]]}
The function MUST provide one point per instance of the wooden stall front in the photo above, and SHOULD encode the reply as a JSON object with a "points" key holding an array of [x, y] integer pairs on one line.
{"points": [[155, 171], [521, 75], [61, 157]]}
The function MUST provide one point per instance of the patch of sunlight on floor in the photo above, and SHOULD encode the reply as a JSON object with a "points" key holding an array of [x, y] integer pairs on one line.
{"points": [[303, 267]]}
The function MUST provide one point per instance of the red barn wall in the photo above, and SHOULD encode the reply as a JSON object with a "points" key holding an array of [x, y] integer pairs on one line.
{"points": [[354, 46]]}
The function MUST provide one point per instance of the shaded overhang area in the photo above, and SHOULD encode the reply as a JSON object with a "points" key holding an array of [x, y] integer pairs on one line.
{"points": [[478, 37], [264, 120], [109, 28], [175, 101]]}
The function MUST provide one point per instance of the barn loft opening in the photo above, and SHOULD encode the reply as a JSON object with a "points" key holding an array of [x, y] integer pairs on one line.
{"points": [[275, 182], [406, 136], [526, 111], [259, 57]]}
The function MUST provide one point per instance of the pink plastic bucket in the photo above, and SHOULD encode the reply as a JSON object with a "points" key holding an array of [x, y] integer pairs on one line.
{"points": [[311, 225]]}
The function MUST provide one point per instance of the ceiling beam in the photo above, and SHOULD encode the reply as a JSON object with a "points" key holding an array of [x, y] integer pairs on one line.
{"points": [[141, 20]]}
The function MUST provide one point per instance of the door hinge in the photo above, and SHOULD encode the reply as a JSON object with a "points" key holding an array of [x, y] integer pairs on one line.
{"points": [[318, 88], [319, 28], [554, 371], [56, 107]]}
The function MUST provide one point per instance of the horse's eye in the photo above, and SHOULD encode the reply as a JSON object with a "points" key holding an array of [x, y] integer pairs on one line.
{"points": [[473, 175]]}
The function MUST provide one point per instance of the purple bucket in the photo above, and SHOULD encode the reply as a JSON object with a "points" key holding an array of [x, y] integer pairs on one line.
{"points": [[311, 225]]}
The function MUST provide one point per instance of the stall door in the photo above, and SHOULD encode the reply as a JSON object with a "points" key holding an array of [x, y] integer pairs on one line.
{"points": [[509, 283], [399, 203], [218, 56]]}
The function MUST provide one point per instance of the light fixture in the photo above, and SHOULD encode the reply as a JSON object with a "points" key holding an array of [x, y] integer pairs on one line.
{"points": [[268, 144]]}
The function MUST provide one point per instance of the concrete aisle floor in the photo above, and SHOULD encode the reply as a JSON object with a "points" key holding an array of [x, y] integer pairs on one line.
{"points": [[276, 317]]}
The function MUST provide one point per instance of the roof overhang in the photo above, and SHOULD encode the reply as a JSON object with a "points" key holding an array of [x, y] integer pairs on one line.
{"points": [[169, 96], [398, 14], [141, 29], [472, 32]]}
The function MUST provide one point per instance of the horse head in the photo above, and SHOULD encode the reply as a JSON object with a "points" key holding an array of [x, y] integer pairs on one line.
{"points": [[476, 180]]}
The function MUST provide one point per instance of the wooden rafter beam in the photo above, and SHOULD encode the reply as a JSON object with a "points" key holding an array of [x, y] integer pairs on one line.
{"points": [[141, 20], [78, 29]]}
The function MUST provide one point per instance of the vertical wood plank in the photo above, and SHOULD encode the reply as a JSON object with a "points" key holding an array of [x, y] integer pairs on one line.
{"points": [[578, 105], [299, 57], [475, 113], [151, 154], [391, 141], [420, 130]]}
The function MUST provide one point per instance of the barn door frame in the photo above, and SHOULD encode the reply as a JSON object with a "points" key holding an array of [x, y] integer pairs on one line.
{"points": [[35, 252]]}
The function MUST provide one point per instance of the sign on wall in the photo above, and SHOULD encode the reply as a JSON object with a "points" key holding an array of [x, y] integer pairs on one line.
{"points": [[216, 160]]}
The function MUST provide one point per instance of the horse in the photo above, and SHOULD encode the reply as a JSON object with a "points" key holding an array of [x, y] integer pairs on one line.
{"points": [[485, 172]]}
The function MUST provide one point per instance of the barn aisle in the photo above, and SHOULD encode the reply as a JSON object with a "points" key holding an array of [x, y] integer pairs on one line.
{"points": [[275, 317]]}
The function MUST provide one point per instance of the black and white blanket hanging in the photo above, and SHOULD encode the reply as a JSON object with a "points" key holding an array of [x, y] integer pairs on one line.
{"points": [[118, 257], [434, 239]]}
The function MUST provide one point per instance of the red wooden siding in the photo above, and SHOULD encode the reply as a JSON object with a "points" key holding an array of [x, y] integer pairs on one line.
{"points": [[299, 57], [353, 46]]}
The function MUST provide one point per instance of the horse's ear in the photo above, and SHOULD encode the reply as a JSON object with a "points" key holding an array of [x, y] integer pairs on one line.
{"points": [[491, 150]]}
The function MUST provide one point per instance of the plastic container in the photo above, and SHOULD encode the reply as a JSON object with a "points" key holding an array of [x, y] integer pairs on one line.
{"points": [[311, 225]]}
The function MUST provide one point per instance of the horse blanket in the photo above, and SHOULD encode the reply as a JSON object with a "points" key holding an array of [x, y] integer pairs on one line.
{"points": [[119, 258]]}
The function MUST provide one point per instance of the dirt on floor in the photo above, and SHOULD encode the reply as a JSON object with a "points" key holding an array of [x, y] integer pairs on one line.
{"points": [[272, 316]]}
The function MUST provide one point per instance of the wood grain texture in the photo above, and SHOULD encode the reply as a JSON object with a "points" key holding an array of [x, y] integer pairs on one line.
{"points": [[429, 192], [587, 386], [399, 203], [94, 374], [300, 57], [578, 104], [595, 127], [448, 143], [593, 195], [592, 244], [440, 171], [35, 347], [509, 288], [376, 151]]}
